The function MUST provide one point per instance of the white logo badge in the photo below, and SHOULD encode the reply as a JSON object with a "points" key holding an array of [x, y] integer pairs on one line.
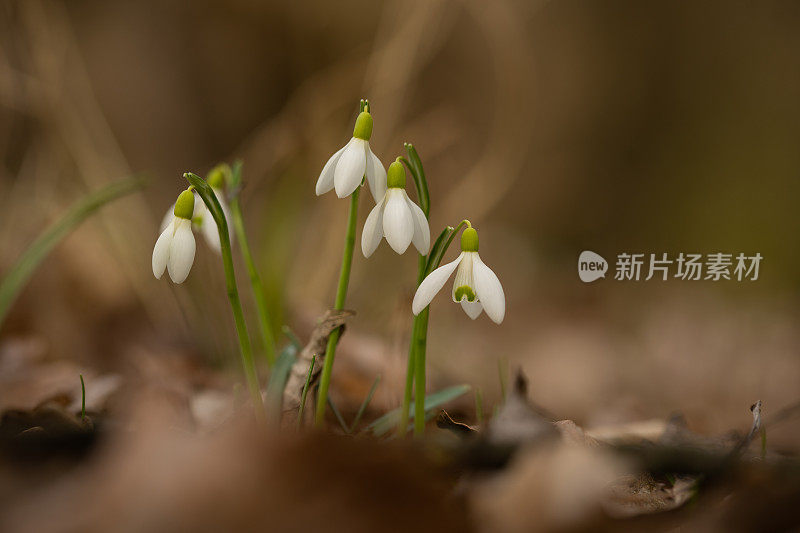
{"points": [[591, 266]]}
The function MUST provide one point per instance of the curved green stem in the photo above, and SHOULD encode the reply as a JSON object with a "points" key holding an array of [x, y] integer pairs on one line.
{"points": [[341, 294], [405, 408], [420, 347], [262, 310], [267, 339], [415, 370], [210, 199]]}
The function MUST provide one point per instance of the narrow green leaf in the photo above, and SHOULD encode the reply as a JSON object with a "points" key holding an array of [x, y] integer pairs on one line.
{"points": [[436, 253], [16, 278], [279, 376], [305, 393], [257, 287], [236, 176], [365, 403], [292, 337], [388, 422], [434, 262], [502, 372], [339, 417], [415, 165]]}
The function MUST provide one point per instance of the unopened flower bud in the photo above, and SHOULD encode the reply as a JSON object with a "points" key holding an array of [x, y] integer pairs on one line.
{"points": [[216, 178]]}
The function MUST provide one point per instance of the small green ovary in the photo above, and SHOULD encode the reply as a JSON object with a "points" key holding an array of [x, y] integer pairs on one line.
{"points": [[363, 128], [465, 290], [184, 205]]}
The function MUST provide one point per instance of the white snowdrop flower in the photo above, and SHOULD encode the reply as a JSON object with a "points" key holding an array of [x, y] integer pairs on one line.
{"points": [[347, 167], [175, 247], [476, 287], [397, 218], [202, 219]]}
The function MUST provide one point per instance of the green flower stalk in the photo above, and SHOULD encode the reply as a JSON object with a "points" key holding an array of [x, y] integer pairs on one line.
{"points": [[341, 295], [234, 179], [419, 338], [420, 323], [476, 288], [213, 206], [345, 171]]}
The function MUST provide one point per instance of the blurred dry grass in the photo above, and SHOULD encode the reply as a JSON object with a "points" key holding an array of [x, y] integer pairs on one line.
{"points": [[555, 127]]}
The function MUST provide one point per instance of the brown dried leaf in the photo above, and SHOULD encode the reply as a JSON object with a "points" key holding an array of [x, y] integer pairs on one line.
{"points": [[317, 343], [636, 495]]}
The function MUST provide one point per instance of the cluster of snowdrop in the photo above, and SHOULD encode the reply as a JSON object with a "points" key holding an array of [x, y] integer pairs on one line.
{"points": [[394, 217], [397, 218], [401, 222]]}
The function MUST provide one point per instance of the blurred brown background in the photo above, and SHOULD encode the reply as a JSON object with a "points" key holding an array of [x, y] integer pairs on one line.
{"points": [[554, 126]]}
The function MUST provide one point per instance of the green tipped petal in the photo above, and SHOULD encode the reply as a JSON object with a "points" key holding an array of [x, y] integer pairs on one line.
{"points": [[184, 206], [363, 129], [469, 240], [465, 290], [396, 176]]}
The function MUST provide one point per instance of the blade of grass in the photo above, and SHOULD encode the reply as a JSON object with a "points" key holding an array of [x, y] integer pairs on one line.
{"points": [[305, 393], [365, 403], [292, 337], [502, 371], [389, 421], [264, 326], [278, 378], [339, 417], [16, 278]]}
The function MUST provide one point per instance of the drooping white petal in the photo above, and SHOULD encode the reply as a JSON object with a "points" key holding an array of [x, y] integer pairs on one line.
{"points": [[181, 251], [372, 233], [422, 232], [398, 222], [464, 277], [376, 174], [325, 180], [489, 290], [473, 309], [210, 233], [431, 285], [350, 168], [161, 249]]}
